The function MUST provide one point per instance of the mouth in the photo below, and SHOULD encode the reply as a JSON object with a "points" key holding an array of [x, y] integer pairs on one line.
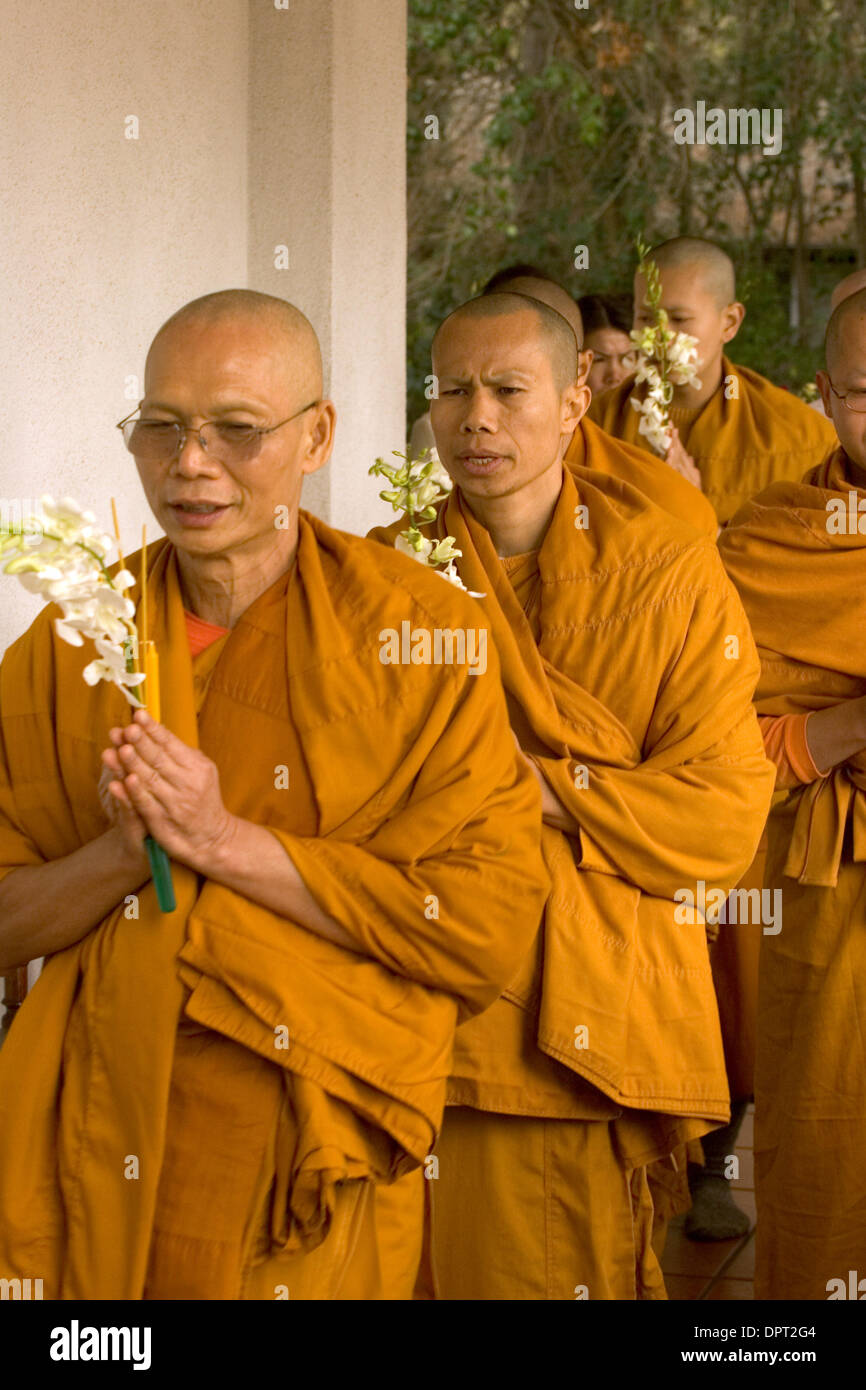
{"points": [[481, 463], [198, 514]]}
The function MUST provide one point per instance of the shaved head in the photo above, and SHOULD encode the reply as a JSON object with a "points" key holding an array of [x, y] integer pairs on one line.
{"points": [[555, 330], [522, 280], [293, 331], [714, 265], [850, 285], [846, 331]]}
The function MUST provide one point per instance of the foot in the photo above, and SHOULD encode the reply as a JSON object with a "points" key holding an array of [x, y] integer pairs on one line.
{"points": [[714, 1214]]}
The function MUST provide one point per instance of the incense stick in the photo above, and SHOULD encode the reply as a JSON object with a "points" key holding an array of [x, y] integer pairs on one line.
{"points": [[117, 534], [132, 656], [144, 587]]}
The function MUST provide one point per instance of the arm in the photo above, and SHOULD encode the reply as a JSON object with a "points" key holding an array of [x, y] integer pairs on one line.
{"points": [[553, 811], [48, 907], [835, 734], [449, 891], [695, 805]]}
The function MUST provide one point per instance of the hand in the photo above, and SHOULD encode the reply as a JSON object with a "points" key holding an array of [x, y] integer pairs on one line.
{"points": [[124, 819], [682, 461], [174, 790]]}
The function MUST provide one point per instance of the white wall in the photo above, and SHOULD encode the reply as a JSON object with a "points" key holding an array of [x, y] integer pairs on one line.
{"points": [[327, 180], [104, 236], [257, 127]]}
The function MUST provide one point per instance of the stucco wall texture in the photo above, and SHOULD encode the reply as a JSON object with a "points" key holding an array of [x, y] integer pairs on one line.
{"points": [[257, 127]]}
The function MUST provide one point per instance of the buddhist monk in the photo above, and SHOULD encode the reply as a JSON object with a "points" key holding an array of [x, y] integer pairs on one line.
{"points": [[733, 435], [736, 432], [204, 1104], [612, 620], [663, 485], [849, 285], [797, 553]]}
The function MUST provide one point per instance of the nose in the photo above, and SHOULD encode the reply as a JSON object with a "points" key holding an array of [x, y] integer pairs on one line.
{"points": [[480, 413], [191, 459]]}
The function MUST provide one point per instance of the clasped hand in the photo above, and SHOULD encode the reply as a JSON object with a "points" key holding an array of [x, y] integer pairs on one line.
{"points": [[162, 787]]}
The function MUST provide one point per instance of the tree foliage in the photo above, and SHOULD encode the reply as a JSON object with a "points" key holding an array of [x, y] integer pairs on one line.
{"points": [[555, 130]]}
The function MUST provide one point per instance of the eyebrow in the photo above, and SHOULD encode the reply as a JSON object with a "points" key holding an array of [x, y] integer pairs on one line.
{"points": [[495, 376], [218, 410]]}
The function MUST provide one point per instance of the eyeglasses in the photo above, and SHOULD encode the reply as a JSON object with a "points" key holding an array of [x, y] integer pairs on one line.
{"points": [[156, 441], [854, 400]]}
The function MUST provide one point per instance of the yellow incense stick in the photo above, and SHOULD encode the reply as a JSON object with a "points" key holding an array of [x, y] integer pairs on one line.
{"points": [[134, 655], [150, 658], [117, 534], [144, 586]]}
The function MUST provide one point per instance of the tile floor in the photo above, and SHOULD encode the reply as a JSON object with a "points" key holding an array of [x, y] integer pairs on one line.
{"points": [[716, 1270]]}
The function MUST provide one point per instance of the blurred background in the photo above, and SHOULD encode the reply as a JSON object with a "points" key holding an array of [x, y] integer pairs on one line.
{"points": [[556, 130]]}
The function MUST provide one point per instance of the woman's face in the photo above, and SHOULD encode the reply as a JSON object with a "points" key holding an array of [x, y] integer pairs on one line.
{"points": [[613, 358]]}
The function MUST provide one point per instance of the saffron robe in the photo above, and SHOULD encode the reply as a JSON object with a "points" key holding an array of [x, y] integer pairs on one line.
{"points": [[804, 589], [657, 480], [739, 444], [645, 732], [426, 843]]}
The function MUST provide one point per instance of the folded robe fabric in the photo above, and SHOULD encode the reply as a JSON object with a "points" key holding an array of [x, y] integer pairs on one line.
{"points": [[801, 584], [646, 733], [420, 799], [590, 447], [804, 589], [740, 443]]}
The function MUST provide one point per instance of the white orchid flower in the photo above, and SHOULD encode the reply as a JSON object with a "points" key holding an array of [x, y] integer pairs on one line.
{"points": [[417, 548], [61, 557]]}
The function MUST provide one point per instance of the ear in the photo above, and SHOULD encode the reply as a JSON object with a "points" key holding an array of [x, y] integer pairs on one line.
{"points": [[732, 318], [584, 362], [574, 405], [823, 382], [320, 438]]}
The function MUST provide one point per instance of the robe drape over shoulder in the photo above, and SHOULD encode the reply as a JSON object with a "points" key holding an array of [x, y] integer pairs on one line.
{"points": [[740, 442], [590, 447], [803, 585], [417, 797], [645, 731]]}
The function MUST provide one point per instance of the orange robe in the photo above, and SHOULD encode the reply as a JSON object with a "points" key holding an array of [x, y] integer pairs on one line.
{"points": [[203, 1104], [606, 1045], [803, 588], [740, 444], [590, 448]]}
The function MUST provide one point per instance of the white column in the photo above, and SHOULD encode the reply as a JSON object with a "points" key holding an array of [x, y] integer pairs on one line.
{"points": [[327, 181]]}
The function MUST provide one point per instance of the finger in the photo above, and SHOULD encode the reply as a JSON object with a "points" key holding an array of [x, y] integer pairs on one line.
{"points": [[111, 762], [152, 755], [179, 751], [126, 812], [118, 793], [140, 776], [143, 800]]}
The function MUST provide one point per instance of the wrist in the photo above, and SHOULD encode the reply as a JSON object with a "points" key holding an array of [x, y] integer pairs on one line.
{"points": [[132, 863], [221, 857]]}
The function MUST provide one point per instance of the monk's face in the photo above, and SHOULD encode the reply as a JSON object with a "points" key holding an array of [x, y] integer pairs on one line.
{"points": [[613, 358], [237, 370], [500, 418], [847, 369], [692, 308]]}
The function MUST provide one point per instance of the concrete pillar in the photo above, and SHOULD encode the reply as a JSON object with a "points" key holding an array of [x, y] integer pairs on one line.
{"points": [[327, 182]]}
